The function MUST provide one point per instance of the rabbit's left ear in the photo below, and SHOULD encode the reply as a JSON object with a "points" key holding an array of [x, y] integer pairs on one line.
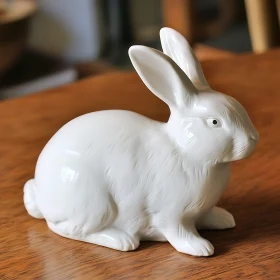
{"points": [[162, 76], [176, 46]]}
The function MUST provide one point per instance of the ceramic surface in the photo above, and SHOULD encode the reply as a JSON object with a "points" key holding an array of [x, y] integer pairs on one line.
{"points": [[114, 178]]}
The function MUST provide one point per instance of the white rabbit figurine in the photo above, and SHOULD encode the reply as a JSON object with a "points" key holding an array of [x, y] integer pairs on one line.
{"points": [[114, 178]]}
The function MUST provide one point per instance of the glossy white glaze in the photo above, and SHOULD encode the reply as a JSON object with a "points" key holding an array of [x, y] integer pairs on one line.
{"points": [[114, 178]]}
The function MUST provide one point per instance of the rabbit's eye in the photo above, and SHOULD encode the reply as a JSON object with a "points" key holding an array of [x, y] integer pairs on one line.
{"points": [[213, 122]]}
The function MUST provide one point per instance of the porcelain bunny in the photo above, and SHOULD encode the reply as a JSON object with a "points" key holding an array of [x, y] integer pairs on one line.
{"points": [[114, 178]]}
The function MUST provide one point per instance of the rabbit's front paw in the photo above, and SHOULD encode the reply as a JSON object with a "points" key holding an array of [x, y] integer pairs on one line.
{"points": [[217, 218], [197, 246]]}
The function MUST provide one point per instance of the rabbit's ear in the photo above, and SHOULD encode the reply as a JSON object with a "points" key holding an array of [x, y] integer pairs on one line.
{"points": [[177, 47], [162, 76]]}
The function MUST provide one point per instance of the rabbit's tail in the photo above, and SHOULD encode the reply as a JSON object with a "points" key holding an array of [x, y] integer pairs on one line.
{"points": [[30, 200]]}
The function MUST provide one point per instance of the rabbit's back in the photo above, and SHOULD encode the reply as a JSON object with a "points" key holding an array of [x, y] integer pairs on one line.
{"points": [[87, 134]]}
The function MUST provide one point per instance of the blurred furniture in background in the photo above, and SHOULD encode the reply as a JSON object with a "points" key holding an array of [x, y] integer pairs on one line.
{"points": [[179, 15], [250, 251], [183, 16], [34, 72], [22, 70], [14, 22], [69, 29], [263, 24]]}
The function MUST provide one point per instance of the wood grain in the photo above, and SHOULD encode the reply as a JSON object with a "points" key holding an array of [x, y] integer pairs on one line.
{"points": [[28, 250]]}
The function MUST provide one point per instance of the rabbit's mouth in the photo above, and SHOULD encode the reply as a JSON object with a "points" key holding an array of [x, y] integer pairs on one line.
{"points": [[254, 140], [245, 151]]}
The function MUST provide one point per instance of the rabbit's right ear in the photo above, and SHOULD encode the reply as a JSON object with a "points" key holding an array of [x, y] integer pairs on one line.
{"points": [[162, 76]]}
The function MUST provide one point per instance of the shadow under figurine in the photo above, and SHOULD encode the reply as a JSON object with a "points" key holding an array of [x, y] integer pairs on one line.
{"points": [[115, 177]]}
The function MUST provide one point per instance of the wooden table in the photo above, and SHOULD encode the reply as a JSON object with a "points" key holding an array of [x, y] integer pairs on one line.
{"points": [[250, 251]]}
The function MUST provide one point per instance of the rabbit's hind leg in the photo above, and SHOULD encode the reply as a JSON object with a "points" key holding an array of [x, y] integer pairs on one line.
{"points": [[110, 237], [114, 238], [216, 218]]}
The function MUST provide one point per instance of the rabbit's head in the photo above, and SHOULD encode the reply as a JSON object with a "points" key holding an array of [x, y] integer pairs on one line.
{"points": [[207, 125]]}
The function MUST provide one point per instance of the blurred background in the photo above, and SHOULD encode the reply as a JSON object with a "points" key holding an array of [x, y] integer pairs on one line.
{"points": [[48, 43]]}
